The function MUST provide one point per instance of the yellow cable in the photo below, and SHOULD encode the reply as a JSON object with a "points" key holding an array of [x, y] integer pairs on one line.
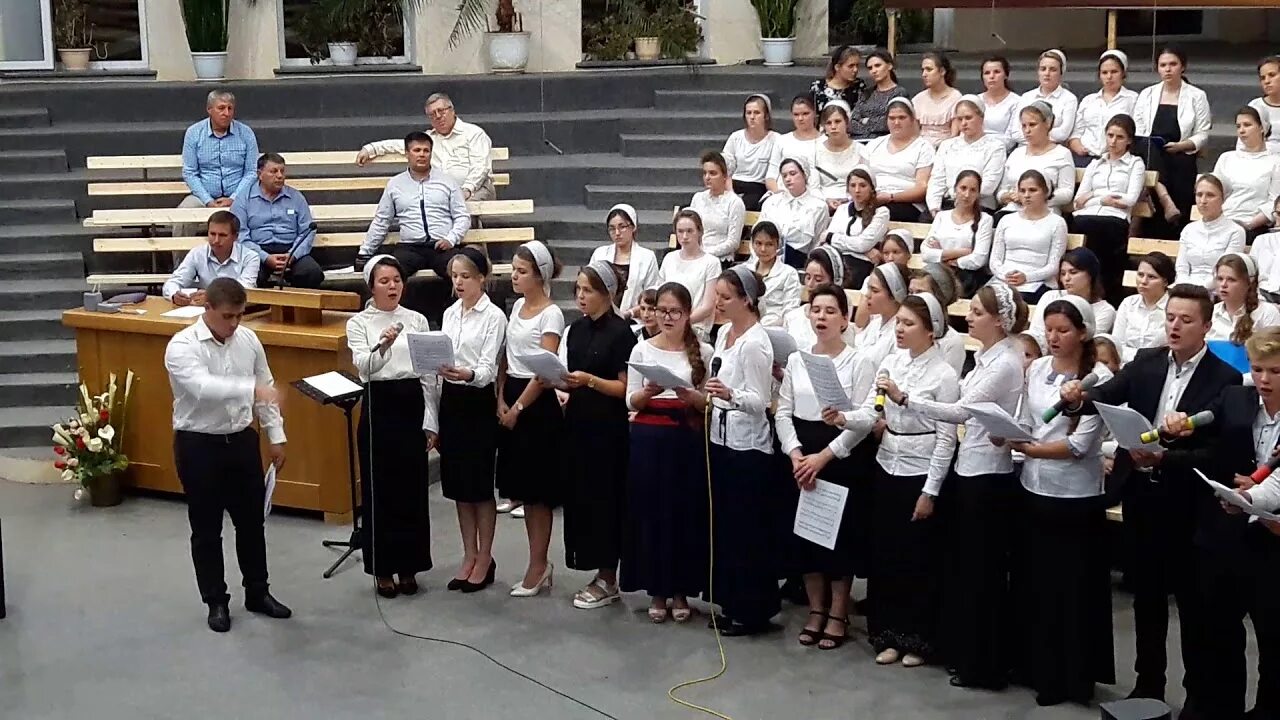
{"points": [[711, 598]]}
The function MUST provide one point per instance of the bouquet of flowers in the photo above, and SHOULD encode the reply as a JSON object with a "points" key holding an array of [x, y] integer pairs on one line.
{"points": [[88, 446]]}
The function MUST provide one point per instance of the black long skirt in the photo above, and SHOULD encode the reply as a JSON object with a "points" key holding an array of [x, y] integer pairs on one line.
{"points": [[746, 553], [977, 527], [752, 194], [1063, 594], [468, 442], [1108, 238], [808, 556], [902, 588], [528, 469], [396, 538], [594, 456], [861, 503], [665, 533]]}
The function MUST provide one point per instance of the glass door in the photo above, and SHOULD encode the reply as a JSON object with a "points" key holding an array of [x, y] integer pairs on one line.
{"points": [[26, 35]]}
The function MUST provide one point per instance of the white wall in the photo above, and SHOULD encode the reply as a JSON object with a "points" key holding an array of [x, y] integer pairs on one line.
{"points": [[732, 30], [167, 47]]}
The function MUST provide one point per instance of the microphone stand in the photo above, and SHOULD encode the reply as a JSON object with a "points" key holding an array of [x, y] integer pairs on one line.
{"points": [[288, 258]]}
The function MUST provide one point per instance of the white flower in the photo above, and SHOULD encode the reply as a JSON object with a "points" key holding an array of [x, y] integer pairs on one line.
{"points": [[86, 419], [73, 424], [94, 445], [73, 462], [106, 432], [59, 429], [60, 440], [68, 475]]}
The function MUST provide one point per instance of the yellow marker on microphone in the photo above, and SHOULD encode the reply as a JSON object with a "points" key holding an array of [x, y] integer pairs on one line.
{"points": [[1200, 419]]}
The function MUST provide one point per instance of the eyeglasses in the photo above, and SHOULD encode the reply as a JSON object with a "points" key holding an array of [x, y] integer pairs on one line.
{"points": [[617, 229], [439, 113], [666, 314]]}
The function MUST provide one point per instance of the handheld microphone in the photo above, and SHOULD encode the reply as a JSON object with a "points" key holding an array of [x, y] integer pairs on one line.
{"points": [[880, 393], [382, 342], [1086, 382], [1200, 419], [288, 259], [716, 362]]}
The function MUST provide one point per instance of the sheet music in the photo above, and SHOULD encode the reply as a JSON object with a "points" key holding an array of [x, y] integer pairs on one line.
{"points": [[1231, 497], [826, 382], [333, 384], [429, 351], [546, 365], [783, 344], [819, 512], [659, 375], [186, 311], [997, 422], [269, 480], [1127, 426]]}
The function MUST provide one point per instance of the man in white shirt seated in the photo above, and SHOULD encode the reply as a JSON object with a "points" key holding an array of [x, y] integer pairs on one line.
{"points": [[427, 205], [222, 256], [460, 149]]}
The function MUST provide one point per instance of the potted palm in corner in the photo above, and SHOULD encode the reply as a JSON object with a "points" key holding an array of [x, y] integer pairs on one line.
{"points": [[507, 40], [777, 30], [206, 22]]}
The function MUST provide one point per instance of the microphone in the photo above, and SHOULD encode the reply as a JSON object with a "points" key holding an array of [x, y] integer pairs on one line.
{"points": [[1086, 382], [288, 259], [880, 393], [382, 342], [1200, 419], [1264, 470], [716, 362]]}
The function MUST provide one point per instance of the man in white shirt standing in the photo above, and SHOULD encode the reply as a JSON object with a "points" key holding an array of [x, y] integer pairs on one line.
{"points": [[462, 150], [219, 376], [222, 256]]}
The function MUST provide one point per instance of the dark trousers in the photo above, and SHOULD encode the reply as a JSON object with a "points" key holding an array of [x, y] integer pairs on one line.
{"points": [[903, 212], [795, 258], [423, 256], [1108, 238], [303, 271], [223, 473]]}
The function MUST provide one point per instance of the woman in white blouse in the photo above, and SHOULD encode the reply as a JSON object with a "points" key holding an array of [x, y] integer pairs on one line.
{"points": [[865, 315], [1042, 154], [820, 451], [824, 268], [961, 237], [1205, 240], [1104, 203], [721, 211], [1061, 576], [397, 533], [1049, 71], [528, 410], [935, 105], [801, 143], [1176, 112], [693, 268], [972, 150], [468, 441], [940, 281], [747, 151], [1250, 174], [664, 550], [1239, 312], [781, 281], [1140, 317], [1029, 243], [746, 550], [1000, 100], [1088, 138], [801, 216], [1268, 106], [836, 156], [982, 488], [1266, 252], [635, 265], [901, 162], [858, 226], [1078, 275], [913, 460]]}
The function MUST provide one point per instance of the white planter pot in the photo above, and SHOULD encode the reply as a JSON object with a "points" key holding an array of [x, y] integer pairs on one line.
{"points": [[210, 65], [648, 48], [778, 52], [343, 53], [508, 52], [74, 59]]}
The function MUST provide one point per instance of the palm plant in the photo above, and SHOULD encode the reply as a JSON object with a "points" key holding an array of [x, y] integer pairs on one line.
{"points": [[777, 17], [206, 22], [473, 16]]}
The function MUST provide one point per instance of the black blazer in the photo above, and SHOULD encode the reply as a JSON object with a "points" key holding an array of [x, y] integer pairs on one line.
{"points": [[1234, 412]]}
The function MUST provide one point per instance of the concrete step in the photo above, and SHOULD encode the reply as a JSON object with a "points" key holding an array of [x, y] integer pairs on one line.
{"points": [[41, 294], [705, 99], [30, 425], [642, 145], [34, 212], [556, 223], [51, 237], [32, 161], [648, 197], [24, 117], [673, 122], [19, 356], [38, 389], [45, 185], [34, 325], [41, 265]]}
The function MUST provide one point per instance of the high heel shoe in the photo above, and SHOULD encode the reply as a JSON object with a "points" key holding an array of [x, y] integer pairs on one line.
{"points": [[545, 582], [470, 587]]}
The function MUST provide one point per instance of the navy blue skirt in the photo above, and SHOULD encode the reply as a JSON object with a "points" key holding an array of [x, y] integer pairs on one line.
{"points": [[744, 485]]}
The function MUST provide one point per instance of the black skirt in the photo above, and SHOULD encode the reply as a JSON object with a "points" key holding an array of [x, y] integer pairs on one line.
{"points": [[902, 588], [665, 536], [1062, 591], [856, 271], [746, 553], [594, 455], [752, 193], [528, 468], [861, 502], [393, 469], [810, 557], [468, 442]]}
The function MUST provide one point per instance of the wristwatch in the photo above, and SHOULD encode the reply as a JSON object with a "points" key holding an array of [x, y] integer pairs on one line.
{"points": [[518, 407]]}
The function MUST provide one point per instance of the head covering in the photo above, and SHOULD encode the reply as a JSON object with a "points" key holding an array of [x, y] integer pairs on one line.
{"points": [[905, 235], [750, 285], [1086, 313], [1059, 55], [605, 271], [768, 104], [370, 264], [476, 257], [848, 111], [542, 258], [937, 316], [837, 264], [1045, 109], [1006, 306], [903, 101], [627, 210], [978, 105], [943, 279], [893, 278], [799, 161], [1250, 265], [1119, 56]]}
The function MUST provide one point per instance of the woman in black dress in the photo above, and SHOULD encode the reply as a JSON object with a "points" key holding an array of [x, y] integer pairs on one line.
{"points": [[595, 440], [1172, 119]]}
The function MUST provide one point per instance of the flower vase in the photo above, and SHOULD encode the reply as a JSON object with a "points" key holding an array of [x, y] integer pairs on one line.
{"points": [[104, 490]]}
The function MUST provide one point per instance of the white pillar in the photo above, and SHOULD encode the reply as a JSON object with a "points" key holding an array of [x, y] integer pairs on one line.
{"points": [[812, 29], [166, 37], [253, 39]]}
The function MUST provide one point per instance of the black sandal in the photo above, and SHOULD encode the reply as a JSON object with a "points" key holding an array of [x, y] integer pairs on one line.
{"points": [[836, 641], [809, 638]]}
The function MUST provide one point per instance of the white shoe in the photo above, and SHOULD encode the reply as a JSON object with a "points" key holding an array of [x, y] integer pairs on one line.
{"points": [[585, 600], [520, 591], [912, 660], [506, 506], [888, 657], [517, 512]]}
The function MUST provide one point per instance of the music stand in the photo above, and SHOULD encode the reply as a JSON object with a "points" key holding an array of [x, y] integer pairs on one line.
{"points": [[346, 401], [3, 612]]}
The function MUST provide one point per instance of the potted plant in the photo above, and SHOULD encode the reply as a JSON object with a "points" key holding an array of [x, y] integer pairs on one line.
{"points": [[777, 30], [206, 22], [88, 447], [72, 33], [347, 30], [670, 24], [506, 37]]}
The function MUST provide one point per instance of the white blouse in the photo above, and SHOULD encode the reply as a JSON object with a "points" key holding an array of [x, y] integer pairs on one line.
{"points": [[1266, 252], [1252, 181], [781, 291], [642, 275], [788, 146], [850, 236], [674, 360], [1057, 166], [951, 235], [722, 220], [796, 322], [1034, 247], [1080, 476], [1095, 112], [874, 343], [1224, 322], [1138, 326], [748, 161], [363, 331], [895, 171], [996, 378], [747, 369], [477, 336], [797, 401], [1064, 104], [998, 118], [1202, 243], [695, 275], [1122, 179], [1194, 116], [913, 443], [801, 220], [1104, 317], [524, 337], [985, 155], [831, 170]]}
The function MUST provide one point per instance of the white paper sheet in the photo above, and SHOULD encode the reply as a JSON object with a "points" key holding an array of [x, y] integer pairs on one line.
{"points": [[659, 375], [187, 311], [783, 344], [270, 482], [1231, 497], [429, 351], [826, 382], [819, 512], [997, 422], [333, 384], [1127, 426], [546, 365]]}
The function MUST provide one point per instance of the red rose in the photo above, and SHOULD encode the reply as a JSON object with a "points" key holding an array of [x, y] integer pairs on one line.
{"points": [[59, 450], [60, 465], [80, 442], [102, 416]]}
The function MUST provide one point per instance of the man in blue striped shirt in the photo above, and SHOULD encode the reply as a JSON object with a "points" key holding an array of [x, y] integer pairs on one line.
{"points": [[276, 223], [218, 156]]}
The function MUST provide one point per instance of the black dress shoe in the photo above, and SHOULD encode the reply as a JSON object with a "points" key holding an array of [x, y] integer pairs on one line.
{"points": [[219, 618], [456, 584], [407, 586], [386, 589], [738, 629], [470, 587], [977, 683], [264, 604]]}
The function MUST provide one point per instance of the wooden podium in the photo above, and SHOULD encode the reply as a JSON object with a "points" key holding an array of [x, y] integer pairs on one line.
{"points": [[304, 333]]}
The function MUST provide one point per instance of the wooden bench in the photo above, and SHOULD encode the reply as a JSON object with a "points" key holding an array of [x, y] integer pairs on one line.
{"points": [[1144, 246], [144, 164], [321, 213], [330, 184]]}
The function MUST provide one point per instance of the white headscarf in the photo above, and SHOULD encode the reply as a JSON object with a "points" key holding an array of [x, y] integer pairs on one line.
{"points": [[937, 315], [542, 258], [369, 265], [1086, 313], [893, 278]]}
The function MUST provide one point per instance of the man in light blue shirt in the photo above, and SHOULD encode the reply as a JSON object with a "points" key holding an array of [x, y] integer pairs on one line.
{"points": [[222, 256], [217, 157], [276, 223]]}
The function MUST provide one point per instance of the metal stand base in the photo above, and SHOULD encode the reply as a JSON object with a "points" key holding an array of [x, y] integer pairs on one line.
{"points": [[353, 543]]}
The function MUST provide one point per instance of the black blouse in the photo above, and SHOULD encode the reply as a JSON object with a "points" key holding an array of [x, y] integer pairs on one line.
{"points": [[600, 347], [822, 93]]}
